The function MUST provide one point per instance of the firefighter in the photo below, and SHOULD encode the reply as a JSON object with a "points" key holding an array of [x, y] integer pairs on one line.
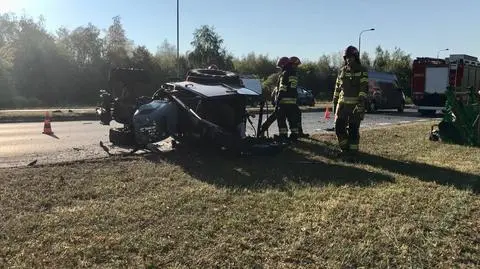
{"points": [[287, 108], [295, 61], [281, 63], [349, 100]]}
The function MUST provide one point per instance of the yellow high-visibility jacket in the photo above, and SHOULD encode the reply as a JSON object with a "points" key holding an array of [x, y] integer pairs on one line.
{"points": [[351, 86]]}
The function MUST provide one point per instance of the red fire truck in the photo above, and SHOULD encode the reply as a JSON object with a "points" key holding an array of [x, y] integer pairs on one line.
{"points": [[432, 76]]}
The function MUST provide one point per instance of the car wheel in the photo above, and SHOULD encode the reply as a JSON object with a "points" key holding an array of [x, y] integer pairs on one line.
{"points": [[212, 76], [121, 137]]}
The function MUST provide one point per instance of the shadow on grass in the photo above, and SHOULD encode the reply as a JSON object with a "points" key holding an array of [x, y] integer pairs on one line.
{"points": [[394, 113], [422, 171], [258, 172]]}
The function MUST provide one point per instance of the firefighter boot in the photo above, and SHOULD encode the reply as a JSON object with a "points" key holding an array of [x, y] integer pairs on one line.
{"points": [[301, 134], [293, 137]]}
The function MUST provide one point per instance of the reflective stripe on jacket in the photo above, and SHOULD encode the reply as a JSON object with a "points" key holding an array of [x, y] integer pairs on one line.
{"points": [[288, 87], [351, 86]]}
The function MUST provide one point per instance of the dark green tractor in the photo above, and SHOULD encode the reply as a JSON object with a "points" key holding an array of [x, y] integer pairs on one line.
{"points": [[461, 120]]}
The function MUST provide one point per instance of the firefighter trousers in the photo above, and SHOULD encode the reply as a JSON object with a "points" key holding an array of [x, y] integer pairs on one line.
{"points": [[347, 127], [288, 112], [273, 117], [299, 121]]}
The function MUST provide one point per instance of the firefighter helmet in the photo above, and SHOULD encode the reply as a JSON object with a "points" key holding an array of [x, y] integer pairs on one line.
{"points": [[295, 60], [213, 67], [282, 61], [351, 51]]}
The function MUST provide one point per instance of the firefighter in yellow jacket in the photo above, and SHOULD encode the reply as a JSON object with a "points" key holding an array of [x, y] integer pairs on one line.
{"points": [[349, 100], [287, 108]]}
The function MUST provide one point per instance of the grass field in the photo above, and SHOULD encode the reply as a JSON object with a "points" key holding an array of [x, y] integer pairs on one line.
{"points": [[406, 202]]}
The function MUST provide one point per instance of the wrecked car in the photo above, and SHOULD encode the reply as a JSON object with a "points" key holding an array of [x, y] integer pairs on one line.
{"points": [[207, 108]]}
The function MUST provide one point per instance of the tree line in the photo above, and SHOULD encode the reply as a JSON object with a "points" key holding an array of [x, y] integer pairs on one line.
{"points": [[67, 68]]}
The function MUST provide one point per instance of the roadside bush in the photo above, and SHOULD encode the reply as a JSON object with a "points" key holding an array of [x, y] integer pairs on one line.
{"points": [[23, 102]]}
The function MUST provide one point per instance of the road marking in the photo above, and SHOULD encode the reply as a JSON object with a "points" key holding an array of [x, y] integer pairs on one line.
{"points": [[384, 123], [404, 121]]}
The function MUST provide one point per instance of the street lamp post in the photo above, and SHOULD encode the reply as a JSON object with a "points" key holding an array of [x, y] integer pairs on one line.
{"points": [[178, 38], [360, 37], [438, 53]]}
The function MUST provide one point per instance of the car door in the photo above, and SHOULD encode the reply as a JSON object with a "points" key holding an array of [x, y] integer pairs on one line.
{"points": [[394, 97], [391, 97]]}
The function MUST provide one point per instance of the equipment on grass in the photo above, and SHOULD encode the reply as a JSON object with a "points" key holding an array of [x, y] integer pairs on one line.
{"points": [[461, 120]]}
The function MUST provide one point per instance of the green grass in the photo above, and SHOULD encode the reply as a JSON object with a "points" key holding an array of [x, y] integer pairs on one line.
{"points": [[406, 202]]}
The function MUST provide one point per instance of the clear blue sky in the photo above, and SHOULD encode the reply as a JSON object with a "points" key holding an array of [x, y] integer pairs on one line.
{"points": [[314, 27]]}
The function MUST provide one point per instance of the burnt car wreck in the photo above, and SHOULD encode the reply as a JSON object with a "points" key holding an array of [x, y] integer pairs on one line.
{"points": [[208, 108]]}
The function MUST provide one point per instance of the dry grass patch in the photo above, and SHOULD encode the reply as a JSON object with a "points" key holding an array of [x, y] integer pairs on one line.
{"points": [[406, 202]]}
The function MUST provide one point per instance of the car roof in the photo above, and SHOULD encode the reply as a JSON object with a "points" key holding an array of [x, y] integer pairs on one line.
{"points": [[383, 76]]}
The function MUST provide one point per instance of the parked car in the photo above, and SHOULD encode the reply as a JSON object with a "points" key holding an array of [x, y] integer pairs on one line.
{"points": [[384, 93], [305, 97]]}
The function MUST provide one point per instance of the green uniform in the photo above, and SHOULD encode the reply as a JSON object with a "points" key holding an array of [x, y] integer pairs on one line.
{"points": [[349, 98]]}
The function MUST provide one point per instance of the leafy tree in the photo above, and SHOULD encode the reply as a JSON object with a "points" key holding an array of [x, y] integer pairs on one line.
{"points": [[397, 62], [337, 59], [382, 60], [208, 49], [365, 60], [259, 65], [36, 71], [166, 58], [6, 85], [324, 65], [117, 44], [8, 28], [83, 44]]}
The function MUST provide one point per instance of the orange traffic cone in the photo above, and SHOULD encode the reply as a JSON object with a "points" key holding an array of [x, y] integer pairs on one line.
{"points": [[327, 113], [47, 128]]}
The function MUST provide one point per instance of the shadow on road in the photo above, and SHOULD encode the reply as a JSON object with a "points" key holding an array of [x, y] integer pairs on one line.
{"points": [[53, 135], [422, 171], [264, 172]]}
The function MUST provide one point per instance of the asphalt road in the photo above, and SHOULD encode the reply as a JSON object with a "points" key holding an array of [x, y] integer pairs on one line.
{"points": [[22, 143], [315, 122]]}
